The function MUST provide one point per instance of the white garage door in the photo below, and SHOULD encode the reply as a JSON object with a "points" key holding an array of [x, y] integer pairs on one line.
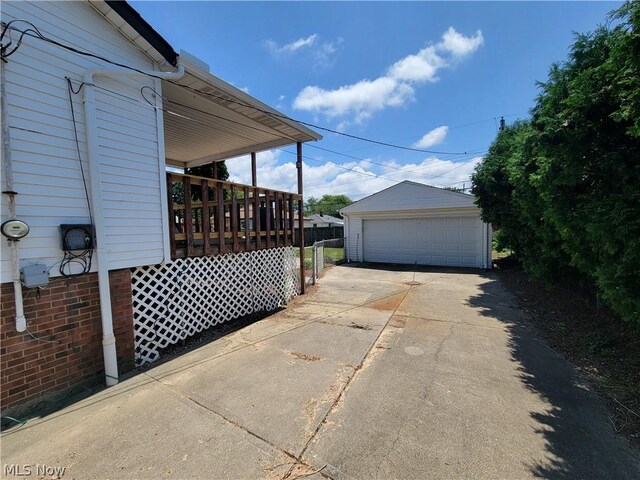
{"points": [[447, 241]]}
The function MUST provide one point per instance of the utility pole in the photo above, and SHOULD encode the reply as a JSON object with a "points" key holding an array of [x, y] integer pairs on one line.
{"points": [[502, 124]]}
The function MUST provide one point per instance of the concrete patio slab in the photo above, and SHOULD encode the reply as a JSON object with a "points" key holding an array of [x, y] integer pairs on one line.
{"points": [[367, 376], [441, 299], [142, 430], [298, 379]]}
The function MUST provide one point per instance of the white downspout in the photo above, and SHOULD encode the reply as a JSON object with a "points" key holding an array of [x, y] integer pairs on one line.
{"points": [[489, 246], [486, 247], [347, 253], [108, 338], [21, 321]]}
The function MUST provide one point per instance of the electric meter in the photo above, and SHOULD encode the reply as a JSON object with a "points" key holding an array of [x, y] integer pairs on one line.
{"points": [[14, 229]]}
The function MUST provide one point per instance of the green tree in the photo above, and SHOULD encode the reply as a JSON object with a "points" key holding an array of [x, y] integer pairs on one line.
{"points": [[507, 193], [326, 205], [564, 187], [206, 171], [588, 122], [209, 170]]}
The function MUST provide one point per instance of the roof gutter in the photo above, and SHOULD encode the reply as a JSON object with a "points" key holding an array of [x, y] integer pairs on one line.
{"points": [[108, 338], [146, 31]]}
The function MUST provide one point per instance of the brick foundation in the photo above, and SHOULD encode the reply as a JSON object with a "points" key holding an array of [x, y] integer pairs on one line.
{"points": [[68, 311]]}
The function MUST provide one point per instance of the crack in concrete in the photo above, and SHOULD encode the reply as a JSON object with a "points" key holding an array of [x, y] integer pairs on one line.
{"points": [[208, 409], [297, 460], [246, 344], [304, 357], [429, 319], [352, 376], [422, 397], [351, 325]]}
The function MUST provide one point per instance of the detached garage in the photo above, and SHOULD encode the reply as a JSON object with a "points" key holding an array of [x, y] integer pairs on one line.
{"points": [[415, 223]]}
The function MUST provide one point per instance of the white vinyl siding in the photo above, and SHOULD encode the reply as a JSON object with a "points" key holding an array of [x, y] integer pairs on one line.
{"points": [[131, 188], [353, 234], [45, 163]]}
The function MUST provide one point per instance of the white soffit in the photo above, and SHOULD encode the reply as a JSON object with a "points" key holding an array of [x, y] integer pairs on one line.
{"points": [[221, 122]]}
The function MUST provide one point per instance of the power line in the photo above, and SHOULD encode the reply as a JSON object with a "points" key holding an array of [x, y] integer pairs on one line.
{"points": [[366, 174], [389, 179], [393, 167], [35, 33], [455, 127], [371, 161], [222, 118], [369, 174]]}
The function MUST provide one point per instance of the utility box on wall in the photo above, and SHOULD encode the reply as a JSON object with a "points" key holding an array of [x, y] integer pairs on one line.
{"points": [[77, 237], [34, 275]]}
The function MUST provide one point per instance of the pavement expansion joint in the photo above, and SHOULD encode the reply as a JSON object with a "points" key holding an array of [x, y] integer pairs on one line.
{"points": [[194, 400], [441, 320], [348, 381]]}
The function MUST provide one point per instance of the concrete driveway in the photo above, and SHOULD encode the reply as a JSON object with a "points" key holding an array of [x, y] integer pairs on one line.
{"points": [[378, 373]]}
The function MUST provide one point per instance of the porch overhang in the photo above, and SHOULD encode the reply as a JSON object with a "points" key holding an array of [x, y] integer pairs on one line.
{"points": [[211, 120]]}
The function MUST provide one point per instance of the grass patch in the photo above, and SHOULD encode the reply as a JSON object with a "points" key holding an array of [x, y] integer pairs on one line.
{"points": [[331, 255]]}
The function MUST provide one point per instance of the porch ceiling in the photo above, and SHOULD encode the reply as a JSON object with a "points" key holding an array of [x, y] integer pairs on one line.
{"points": [[222, 123]]}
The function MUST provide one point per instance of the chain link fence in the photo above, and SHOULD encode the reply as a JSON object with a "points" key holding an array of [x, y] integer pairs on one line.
{"points": [[323, 253]]}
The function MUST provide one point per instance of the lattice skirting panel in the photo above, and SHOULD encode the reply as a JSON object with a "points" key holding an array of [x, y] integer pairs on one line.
{"points": [[174, 301]]}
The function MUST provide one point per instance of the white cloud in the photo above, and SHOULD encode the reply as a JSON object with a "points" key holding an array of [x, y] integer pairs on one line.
{"points": [[431, 171], [273, 47], [320, 54], [354, 179], [395, 88], [434, 137], [418, 68], [459, 45], [324, 55], [361, 99]]}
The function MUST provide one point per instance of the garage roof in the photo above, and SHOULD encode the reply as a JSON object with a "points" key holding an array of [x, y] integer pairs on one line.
{"points": [[410, 196]]}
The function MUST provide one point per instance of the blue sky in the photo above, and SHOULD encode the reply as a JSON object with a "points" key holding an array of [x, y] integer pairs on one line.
{"points": [[435, 76]]}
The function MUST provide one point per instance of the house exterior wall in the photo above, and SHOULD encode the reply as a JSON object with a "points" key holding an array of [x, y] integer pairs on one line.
{"points": [[68, 312], [47, 176]]}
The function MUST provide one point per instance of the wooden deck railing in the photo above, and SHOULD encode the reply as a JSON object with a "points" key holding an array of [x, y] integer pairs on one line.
{"points": [[212, 217]]}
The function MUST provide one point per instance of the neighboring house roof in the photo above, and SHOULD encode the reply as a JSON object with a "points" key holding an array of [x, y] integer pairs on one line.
{"points": [[410, 196], [316, 218]]}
